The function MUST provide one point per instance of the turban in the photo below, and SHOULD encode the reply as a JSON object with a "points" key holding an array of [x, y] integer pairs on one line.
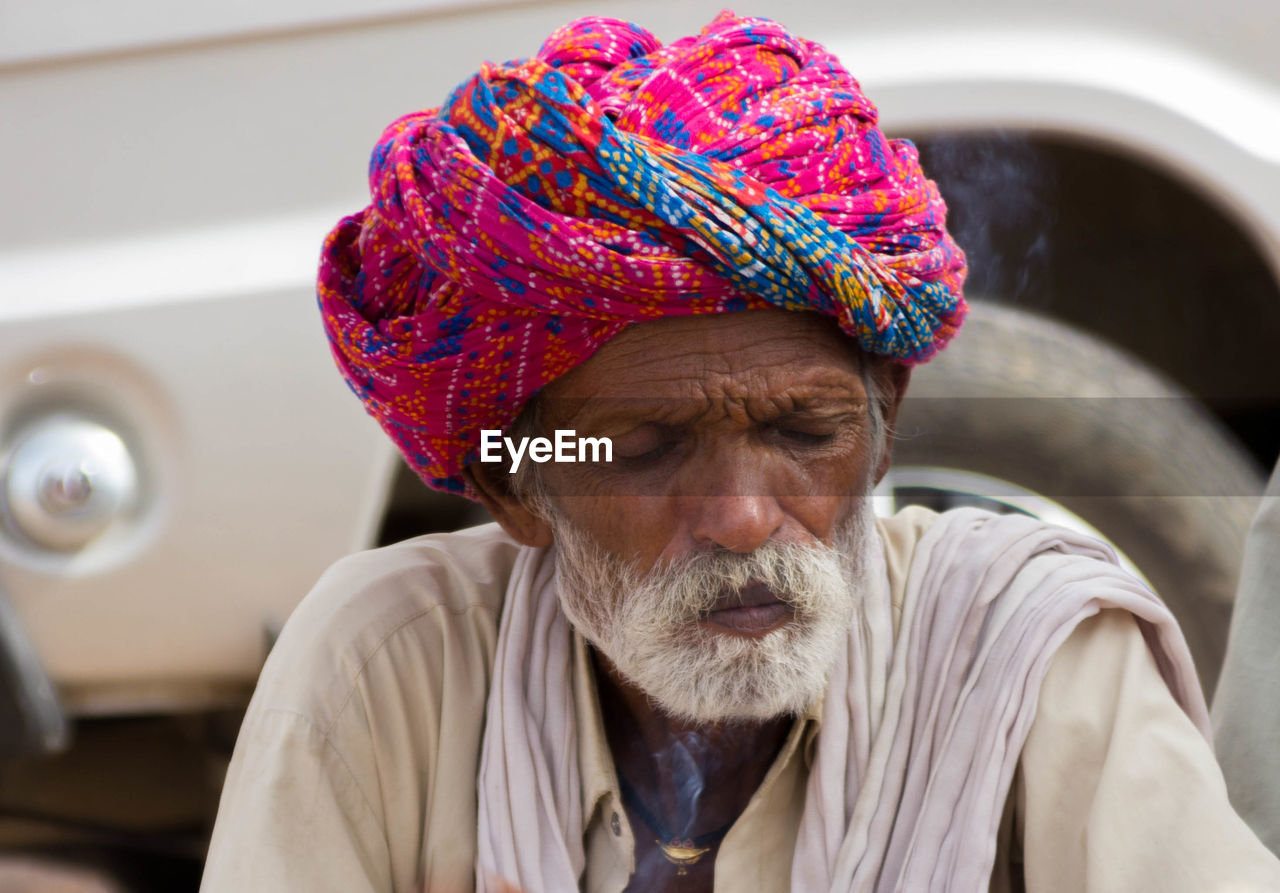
{"points": [[551, 202]]}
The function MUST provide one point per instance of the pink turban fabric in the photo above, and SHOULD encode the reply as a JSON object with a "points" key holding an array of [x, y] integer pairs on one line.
{"points": [[551, 202]]}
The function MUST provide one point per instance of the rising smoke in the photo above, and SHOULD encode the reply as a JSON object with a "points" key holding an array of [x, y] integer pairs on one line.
{"points": [[1001, 196]]}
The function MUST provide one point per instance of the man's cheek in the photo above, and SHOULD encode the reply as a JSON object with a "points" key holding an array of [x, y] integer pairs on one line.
{"points": [[615, 524]]}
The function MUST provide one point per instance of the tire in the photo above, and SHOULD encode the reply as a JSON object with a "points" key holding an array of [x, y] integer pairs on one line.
{"points": [[1051, 410]]}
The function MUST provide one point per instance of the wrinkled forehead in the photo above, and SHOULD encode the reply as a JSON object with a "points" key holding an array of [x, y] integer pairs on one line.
{"points": [[752, 362]]}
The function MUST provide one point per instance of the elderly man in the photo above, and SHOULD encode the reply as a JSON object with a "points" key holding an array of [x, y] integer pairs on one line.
{"points": [[699, 662]]}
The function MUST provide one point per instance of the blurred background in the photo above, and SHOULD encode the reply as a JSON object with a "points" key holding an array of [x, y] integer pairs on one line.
{"points": [[179, 460]]}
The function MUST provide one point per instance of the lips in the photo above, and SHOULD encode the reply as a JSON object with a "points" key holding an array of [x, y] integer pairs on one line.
{"points": [[753, 610]]}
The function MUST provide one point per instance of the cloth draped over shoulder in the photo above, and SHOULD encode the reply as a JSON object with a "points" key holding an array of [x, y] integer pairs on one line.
{"points": [[610, 179], [922, 725]]}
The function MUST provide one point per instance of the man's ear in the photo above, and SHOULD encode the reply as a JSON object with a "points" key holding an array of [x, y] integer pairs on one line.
{"points": [[520, 523], [893, 378]]}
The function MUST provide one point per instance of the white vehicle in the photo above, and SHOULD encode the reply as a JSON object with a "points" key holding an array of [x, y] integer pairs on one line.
{"points": [[179, 460]]}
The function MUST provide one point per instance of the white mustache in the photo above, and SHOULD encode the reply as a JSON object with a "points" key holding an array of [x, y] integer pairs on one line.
{"points": [[689, 587]]}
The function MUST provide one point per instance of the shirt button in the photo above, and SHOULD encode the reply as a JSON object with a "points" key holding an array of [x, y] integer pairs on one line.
{"points": [[616, 824]]}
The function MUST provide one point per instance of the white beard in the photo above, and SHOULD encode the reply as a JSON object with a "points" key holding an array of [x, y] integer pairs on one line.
{"points": [[647, 624]]}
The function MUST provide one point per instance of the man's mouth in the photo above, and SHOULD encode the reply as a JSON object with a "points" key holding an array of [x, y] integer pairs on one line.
{"points": [[754, 611]]}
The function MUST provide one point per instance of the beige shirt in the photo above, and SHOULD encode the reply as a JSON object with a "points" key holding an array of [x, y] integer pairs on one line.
{"points": [[356, 766]]}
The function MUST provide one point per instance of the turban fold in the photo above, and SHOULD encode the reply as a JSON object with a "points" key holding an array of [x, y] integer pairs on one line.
{"points": [[551, 202]]}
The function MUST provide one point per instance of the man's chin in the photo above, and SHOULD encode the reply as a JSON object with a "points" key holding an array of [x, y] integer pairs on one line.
{"points": [[720, 676]]}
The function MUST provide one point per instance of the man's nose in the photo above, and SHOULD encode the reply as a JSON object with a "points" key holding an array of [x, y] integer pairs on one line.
{"points": [[732, 507]]}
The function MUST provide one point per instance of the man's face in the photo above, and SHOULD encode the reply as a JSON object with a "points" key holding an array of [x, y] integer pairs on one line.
{"points": [[729, 431], [717, 560]]}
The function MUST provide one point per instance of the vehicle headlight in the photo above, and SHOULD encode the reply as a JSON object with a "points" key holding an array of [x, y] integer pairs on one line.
{"points": [[67, 480]]}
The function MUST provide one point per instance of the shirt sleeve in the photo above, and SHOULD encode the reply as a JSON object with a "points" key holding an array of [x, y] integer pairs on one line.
{"points": [[292, 817], [1117, 789]]}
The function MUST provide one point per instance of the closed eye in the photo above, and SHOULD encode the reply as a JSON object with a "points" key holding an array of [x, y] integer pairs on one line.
{"points": [[645, 445], [805, 438], [648, 457], [803, 431]]}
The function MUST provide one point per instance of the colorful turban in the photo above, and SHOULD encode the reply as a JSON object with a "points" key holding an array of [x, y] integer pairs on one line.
{"points": [[551, 202]]}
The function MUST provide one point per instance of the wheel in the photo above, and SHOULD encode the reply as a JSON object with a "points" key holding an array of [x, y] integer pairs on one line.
{"points": [[1022, 413]]}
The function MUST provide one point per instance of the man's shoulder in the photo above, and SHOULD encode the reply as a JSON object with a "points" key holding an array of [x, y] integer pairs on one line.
{"points": [[375, 615], [364, 732], [457, 571]]}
